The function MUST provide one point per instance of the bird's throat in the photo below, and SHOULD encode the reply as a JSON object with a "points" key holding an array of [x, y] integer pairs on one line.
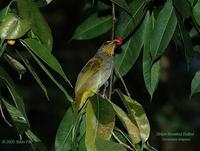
{"points": [[109, 49]]}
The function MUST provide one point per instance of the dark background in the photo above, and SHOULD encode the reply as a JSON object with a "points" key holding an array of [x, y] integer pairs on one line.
{"points": [[171, 109]]}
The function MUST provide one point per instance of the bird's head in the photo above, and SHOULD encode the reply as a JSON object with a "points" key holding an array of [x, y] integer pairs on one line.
{"points": [[109, 46]]}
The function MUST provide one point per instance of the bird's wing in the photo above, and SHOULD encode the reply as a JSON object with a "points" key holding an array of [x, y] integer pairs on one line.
{"points": [[88, 72]]}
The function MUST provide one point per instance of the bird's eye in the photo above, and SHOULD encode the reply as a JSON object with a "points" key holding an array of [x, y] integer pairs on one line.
{"points": [[106, 43]]}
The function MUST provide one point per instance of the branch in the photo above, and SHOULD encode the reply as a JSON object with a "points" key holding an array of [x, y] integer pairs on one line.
{"points": [[112, 37], [120, 142], [120, 77], [113, 21]]}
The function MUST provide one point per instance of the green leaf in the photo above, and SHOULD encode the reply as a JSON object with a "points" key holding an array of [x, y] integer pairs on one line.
{"points": [[192, 2], [46, 56], [63, 139], [126, 23], [151, 75], [92, 27], [13, 91], [82, 127], [155, 76], [81, 146], [165, 26], [183, 7], [123, 4], [27, 9], [132, 129], [15, 64], [100, 120], [68, 97], [35, 75], [151, 71], [91, 127], [104, 145], [22, 125], [3, 48], [195, 85], [196, 12], [186, 40], [105, 115], [137, 114], [130, 52], [13, 27], [19, 120]]}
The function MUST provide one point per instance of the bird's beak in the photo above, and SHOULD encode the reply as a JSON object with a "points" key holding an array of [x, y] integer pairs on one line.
{"points": [[109, 47]]}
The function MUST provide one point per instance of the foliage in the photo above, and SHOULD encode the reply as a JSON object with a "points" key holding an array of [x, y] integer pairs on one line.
{"points": [[147, 28]]}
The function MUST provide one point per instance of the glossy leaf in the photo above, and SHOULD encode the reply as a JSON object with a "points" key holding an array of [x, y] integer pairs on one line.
{"points": [[16, 65], [138, 115], [186, 40], [91, 127], [68, 97], [92, 27], [18, 119], [126, 23], [155, 76], [151, 76], [105, 115], [64, 133], [22, 126], [165, 26], [3, 48], [28, 9], [151, 70], [81, 146], [196, 12], [130, 52], [195, 85], [104, 145], [82, 127], [46, 56], [13, 27], [132, 129], [35, 75], [100, 120], [183, 7], [13, 91], [192, 2]]}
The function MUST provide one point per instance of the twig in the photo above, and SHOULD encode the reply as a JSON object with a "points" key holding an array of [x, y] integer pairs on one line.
{"points": [[112, 37], [120, 142], [113, 21], [126, 89], [110, 86], [3, 116]]}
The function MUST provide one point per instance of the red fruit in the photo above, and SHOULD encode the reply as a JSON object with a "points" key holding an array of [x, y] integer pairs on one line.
{"points": [[119, 41]]}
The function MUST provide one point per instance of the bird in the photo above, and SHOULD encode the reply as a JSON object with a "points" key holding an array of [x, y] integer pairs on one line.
{"points": [[95, 73]]}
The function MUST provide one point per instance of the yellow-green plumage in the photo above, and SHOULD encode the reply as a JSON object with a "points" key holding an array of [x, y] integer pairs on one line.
{"points": [[94, 74]]}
